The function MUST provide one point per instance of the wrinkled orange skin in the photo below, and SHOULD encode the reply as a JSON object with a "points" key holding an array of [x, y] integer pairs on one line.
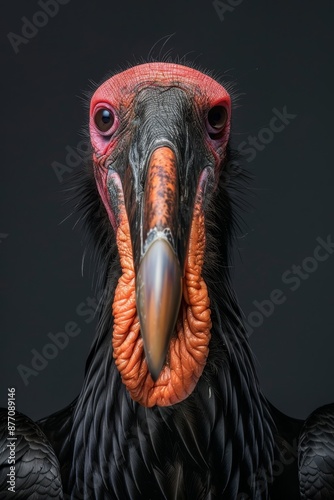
{"points": [[188, 348]]}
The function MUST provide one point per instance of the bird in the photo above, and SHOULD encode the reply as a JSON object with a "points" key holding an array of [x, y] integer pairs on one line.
{"points": [[171, 406]]}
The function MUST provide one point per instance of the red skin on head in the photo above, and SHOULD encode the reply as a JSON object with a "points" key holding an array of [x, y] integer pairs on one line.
{"points": [[120, 90]]}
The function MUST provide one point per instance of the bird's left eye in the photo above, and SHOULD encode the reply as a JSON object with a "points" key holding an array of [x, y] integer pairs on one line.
{"points": [[104, 119], [217, 118]]}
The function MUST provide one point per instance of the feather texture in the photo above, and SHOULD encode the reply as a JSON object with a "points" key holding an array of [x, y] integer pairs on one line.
{"points": [[37, 470]]}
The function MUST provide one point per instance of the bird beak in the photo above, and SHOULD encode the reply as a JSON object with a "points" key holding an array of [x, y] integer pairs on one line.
{"points": [[159, 274]]}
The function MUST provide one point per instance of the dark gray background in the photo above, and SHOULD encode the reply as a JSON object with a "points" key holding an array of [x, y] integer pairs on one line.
{"points": [[277, 54]]}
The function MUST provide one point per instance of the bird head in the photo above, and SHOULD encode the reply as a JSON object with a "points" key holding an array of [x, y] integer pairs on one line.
{"points": [[159, 133]]}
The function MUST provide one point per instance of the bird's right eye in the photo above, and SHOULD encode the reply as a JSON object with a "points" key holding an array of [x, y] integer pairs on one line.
{"points": [[217, 118], [104, 119]]}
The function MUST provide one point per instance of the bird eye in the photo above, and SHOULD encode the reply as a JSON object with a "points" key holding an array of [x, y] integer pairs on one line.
{"points": [[104, 119], [217, 118]]}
